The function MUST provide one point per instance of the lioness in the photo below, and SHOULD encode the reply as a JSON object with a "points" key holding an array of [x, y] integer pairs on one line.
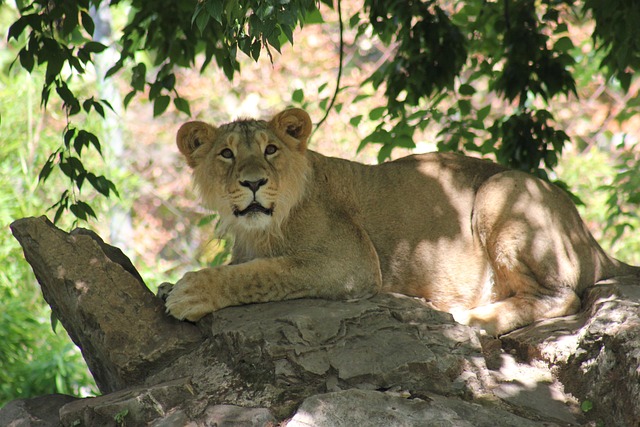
{"points": [[497, 248]]}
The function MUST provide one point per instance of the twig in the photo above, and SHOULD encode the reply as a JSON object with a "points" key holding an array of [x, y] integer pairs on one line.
{"points": [[341, 47]]}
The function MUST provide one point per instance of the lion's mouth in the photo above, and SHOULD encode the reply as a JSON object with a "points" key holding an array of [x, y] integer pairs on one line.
{"points": [[254, 207]]}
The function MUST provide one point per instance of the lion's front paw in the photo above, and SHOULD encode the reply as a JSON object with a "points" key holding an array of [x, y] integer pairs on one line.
{"points": [[163, 291], [190, 298], [475, 318]]}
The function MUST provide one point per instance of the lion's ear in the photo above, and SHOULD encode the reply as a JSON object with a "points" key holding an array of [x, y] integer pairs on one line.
{"points": [[293, 123], [193, 135]]}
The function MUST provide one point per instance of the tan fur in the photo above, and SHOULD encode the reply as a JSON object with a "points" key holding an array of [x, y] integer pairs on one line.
{"points": [[497, 248]]}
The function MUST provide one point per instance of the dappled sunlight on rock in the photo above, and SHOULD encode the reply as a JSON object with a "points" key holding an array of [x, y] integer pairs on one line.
{"points": [[388, 360]]}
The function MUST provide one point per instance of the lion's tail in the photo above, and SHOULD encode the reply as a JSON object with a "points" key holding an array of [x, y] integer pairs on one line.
{"points": [[616, 268]]}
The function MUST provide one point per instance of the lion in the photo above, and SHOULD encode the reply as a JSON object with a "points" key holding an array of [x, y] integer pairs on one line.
{"points": [[497, 248]]}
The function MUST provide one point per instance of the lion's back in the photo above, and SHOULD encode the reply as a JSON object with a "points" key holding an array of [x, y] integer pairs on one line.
{"points": [[417, 212]]}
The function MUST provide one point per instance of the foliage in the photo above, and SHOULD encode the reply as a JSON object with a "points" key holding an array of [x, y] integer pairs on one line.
{"points": [[592, 176], [444, 53], [60, 37], [621, 47], [34, 359], [516, 50], [59, 34]]}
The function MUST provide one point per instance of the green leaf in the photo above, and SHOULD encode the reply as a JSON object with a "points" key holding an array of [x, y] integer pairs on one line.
{"points": [[466, 90], [128, 97], [82, 210], [256, 48], [313, 17], [586, 406], [33, 20], [26, 59], [113, 69], [99, 108], [564, 44], [288, 32], [47, 168], [54, 322], [354, 20], [360, 97], [107, 104], [297, 96], [625, 80], [78, 211], [182, 105], [87, 23], [160, 104], [465, 106], [68, 136], [101, 184], [155, 89], [76, 164], [355, 121], [484, 112], [384, 153], [87, 104], [377, 113], [169, 81], [62, 204], [207, 219], [201, 21], [94, 47], [139, 77], [215, 9], [79, 143]]}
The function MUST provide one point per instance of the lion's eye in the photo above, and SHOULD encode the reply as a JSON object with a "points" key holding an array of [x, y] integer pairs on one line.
{"points": [[271, 149], [227, 153]]}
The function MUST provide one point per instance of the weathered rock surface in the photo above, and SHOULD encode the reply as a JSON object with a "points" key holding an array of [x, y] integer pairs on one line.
{"points": [[389, 360], [37, 412], [350, 407], [98, 301], [597, 352]]}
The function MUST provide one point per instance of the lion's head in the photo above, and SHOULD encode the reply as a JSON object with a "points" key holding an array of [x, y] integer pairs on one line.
{"points": [[252, 172]]}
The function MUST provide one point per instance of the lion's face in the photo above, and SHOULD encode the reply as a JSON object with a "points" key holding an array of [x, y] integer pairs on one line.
{"points": [[249, 171]]}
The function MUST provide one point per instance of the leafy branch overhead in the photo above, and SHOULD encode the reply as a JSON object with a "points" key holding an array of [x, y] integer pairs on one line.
{"points": [[518, 53]]}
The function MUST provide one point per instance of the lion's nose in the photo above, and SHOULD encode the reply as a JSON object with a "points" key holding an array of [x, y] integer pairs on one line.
{"points": [[254, 185]]}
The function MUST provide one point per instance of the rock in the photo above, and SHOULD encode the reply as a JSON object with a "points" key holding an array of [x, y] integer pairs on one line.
{"points": [[312, 346], [596, 354], [116, 321], [135, 405], [37, 412], [372, 408], [276, 354], [237, 416], [389, 359]]}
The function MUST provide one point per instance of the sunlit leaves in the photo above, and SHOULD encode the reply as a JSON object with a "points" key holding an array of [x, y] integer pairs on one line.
{"points": [[616, 35], [529, 139], [57, 37], [445, 65], [519, 50]]}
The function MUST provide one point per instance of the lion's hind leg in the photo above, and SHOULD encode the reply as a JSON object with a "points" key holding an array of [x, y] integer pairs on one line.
{"points": [[535, 244], [517, 311]]}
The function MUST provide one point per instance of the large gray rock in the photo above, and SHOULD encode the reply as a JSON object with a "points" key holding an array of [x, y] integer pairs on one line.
{"points": [[596, 353], [36, 412], [109, 313], [313, 362], [373, 408]]}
